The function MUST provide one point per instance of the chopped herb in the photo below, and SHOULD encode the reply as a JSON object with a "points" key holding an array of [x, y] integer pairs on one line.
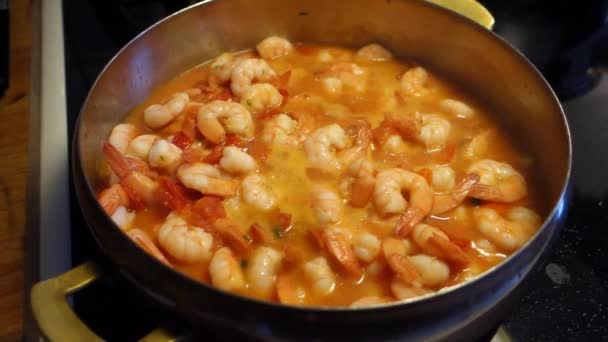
{"points": [[278, 232], [248, 102], [247, 237], [243, 263], [162, 158], [476, 202]]}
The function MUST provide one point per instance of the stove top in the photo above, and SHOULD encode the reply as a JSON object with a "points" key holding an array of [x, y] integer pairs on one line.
{"points": [[566, 296]]}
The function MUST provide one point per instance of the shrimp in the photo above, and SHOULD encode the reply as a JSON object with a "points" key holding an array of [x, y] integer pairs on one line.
{"points": [[361, 142], [320, 274], [374, 52], [433, 241], [287, 290], [478, 146], [264, 265], [234, 160], [443, 178], [112, 198], [123, 218], [366, 246], [140, 146], [457, 108], [248, 70], [280, 130], [449, 200], [389, 200], [225, 271], [221, 68], [509, 185], [364, 180], [184, 242], [164, 155], [157, 115], [395, 253], [121, 136], [143, 240], [218, 117], [430, 130], [405, 291], [274, 47], [257, 193], [341, 75], [206, 179], [336, 242], [433, 272], [260, 97], [414, 82], [510, 232], [320, 145], [327, 205], [140, 186], [369, 301]]}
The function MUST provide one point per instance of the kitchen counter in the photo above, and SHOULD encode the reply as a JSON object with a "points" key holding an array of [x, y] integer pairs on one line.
{"points": [[14, 132]]}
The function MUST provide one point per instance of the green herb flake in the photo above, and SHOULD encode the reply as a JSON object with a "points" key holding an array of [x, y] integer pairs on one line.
{"points": [[278, 232], [249, 104], [247, 237], [162, 158], [243, 263], [476, 202]]}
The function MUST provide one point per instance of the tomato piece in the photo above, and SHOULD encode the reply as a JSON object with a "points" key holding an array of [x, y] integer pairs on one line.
{"points": [[193, 155], [258, 150], [215, 155], [234, 140], [189, 128], [173, 195], [209, 208], [269, 113], [427, 174], [182, 141]]}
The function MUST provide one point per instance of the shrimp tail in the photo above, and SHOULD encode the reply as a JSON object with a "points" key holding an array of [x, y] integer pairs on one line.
{"points": [[448, 201], [408, 220], [450, 250], [484, 191], [122, 165], [143, 240], [341, 250]]}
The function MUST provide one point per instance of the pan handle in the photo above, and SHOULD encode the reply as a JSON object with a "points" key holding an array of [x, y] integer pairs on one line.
{"points": [[54, 315], [470, 9]]}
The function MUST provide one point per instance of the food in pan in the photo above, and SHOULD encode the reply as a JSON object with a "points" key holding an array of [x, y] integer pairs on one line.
{"points": [[318, 176]]}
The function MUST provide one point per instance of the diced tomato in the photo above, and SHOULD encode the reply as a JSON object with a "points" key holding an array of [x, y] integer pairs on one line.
{"points": [[189, 125], [446, 155], [305, 49], [182, 141], [259, 234], [173, 195], [382, 133], [209, 208], [215, 155], [258, 150], [317, 235], [223, 94], [234, 140], [427, 174], [193, 155], [281, 220]]}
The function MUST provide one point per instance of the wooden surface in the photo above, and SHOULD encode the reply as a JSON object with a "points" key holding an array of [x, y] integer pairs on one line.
{"points": [[14, 114]]}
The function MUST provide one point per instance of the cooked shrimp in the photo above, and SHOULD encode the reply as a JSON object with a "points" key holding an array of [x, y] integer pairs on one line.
{"points": [[112, 198], [260, 97], [123, 218], [140, 186], [184, 242], [336, 242], [364, 180], [218, 117], [280, 130], [431, 130], [122, 165], [374, 52], [206, 179], [321, 144], [457, 108], [287, 290], [404, 291], [157, 116], [264, 265], [321, 275], [256, 192], [274, 47], [510, 232], [389, 200], [144, 241], [449, 200], [413, 82], [164, 155], [433, 241], [327, 205], [121, 136], [341, 75], [360, 144], [234, 160], [222, 67], [225, 271], [366, 246], [141, 145], [395, 253], [369, 301], [433, 272], [510, 184], [248, 70], [478, 146], [443, 178]]}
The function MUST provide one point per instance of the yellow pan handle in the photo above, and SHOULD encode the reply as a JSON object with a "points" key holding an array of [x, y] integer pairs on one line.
{"points": [[54, 315], [470, 9]]}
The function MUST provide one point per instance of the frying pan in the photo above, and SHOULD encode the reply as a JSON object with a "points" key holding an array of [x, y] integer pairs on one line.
{"points": [[445, 42]]}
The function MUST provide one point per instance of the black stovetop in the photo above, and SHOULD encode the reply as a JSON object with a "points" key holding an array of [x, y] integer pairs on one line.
{"points": [[566, 295]]}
